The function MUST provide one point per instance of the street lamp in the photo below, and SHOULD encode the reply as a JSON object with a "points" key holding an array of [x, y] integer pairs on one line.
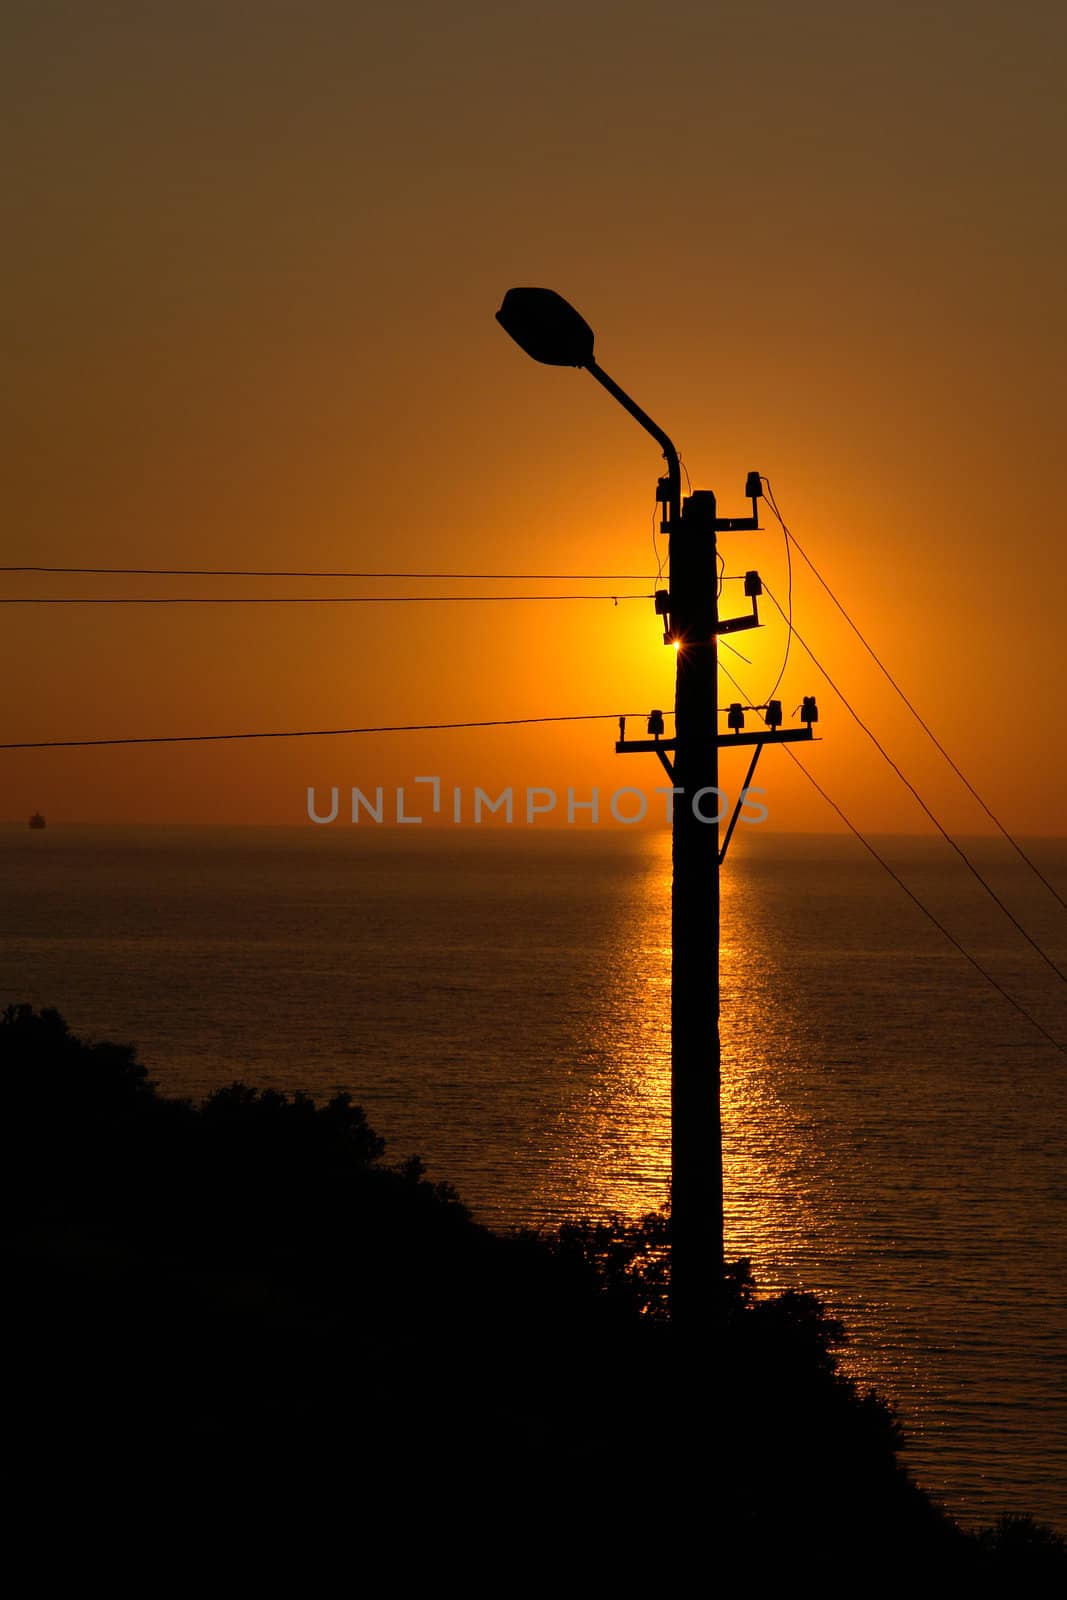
{"points": [[551, 331]]}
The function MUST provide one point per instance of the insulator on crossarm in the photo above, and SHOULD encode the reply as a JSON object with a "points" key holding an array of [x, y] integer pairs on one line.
{"points": [[735, 717]]}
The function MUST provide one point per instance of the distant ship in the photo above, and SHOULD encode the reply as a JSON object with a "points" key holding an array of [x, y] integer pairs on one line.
{"points": [[37, 820]]}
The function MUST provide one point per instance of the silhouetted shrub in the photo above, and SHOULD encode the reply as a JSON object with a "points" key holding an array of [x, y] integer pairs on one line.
{"points": [[247, 1287], [1024, 1551]]}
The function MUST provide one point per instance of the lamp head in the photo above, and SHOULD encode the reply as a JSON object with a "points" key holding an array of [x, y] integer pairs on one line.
{"points": [[543, 324]]}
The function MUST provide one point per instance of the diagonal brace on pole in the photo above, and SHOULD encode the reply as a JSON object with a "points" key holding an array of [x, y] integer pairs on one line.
{"points": [[740, 801]]}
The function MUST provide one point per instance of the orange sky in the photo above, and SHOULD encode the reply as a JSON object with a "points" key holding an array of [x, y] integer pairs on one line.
{"points": [[252, 263]]}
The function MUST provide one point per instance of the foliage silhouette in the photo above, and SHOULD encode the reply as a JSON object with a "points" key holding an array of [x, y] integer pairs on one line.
{"points": [[246, 1287]]}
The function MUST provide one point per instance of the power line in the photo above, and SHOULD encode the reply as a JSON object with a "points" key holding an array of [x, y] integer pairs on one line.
{"points": [[263, 572], [789, 590], [297, 600], [1016, 846], [975, 963], [318, 733], [734, 651], [443, 577], [942, 830]]}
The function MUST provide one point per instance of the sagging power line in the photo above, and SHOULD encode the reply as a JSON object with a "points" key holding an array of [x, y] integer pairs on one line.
{"points": [[299, 599], [938, 824], [792, 542], [931, 917], [266, 572], [314, 733]]}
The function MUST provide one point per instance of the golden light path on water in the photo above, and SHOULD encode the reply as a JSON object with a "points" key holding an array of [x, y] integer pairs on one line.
{"points": [[619, 1157], [864, 1093], [613, 1155], [622, 1119], [621, 1162]]}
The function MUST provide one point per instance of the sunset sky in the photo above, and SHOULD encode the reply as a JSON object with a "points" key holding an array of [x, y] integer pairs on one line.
{"points": [[253, 257]]}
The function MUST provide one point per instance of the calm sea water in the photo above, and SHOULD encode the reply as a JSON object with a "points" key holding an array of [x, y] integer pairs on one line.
{"points": [[895, 1134]]}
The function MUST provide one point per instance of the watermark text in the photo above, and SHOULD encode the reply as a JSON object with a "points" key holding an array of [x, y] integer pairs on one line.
{"points": [[625, 807]]}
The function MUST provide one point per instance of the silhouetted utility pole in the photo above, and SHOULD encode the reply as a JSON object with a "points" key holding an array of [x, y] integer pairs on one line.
{"points": [[693, 626], [551, 331], [696, 1125]]}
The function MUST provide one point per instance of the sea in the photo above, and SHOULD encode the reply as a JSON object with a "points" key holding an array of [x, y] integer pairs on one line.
{"points": [[895, 1130]]}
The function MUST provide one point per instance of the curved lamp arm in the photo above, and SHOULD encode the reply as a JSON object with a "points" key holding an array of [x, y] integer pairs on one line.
{"points": [[674, 478], [549, 329]]}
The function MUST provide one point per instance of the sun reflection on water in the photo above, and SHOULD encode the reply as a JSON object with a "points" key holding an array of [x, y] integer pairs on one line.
{"points": [[768, 1202], [616, 1117], [615, 1155]]}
